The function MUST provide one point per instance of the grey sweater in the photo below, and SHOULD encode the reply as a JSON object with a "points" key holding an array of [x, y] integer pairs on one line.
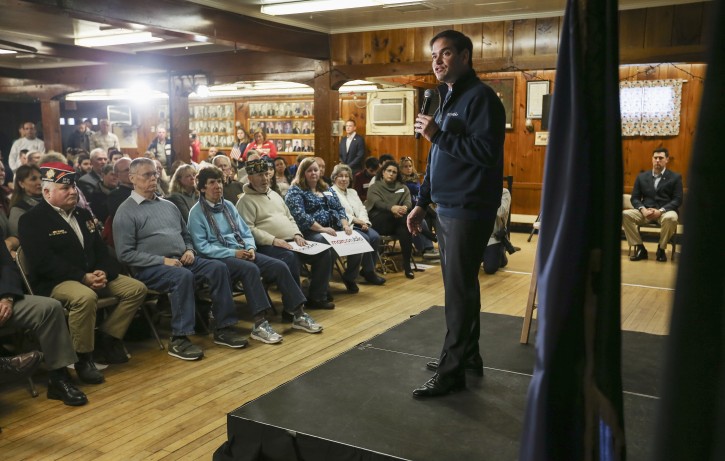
{"points": [[146, 231]]}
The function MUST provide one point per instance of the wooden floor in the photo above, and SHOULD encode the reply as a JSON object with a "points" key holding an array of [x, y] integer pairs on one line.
{"points": [[160, 408]]}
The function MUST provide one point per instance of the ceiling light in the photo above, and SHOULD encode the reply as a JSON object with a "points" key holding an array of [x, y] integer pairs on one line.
{"points": [[117, 39], [313, 6], [7, 52]]}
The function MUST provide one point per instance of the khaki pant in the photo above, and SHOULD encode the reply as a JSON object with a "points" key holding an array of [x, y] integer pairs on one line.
{"points": [[81, 302], [633, 218]]}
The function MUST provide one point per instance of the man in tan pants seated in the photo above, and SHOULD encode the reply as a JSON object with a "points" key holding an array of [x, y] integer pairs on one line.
{"points": [[69, 262], [656, 196]]}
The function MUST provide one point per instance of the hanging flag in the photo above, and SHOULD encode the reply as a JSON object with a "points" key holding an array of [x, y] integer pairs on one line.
{"points": [[236, 153], [692, 411], [574, 409]]}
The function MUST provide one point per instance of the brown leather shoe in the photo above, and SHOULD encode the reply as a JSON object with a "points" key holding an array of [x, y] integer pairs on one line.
{"points": [[20, 365]]}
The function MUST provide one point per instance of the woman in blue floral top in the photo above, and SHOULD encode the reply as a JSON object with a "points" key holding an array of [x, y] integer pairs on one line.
{"points": [[316, 209]]}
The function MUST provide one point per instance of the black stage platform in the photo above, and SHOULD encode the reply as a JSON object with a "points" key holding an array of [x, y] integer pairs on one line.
{"points": [[358, 406]]}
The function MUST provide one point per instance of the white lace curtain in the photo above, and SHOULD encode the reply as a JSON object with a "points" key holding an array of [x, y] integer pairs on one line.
{"points": [[650, 107]]}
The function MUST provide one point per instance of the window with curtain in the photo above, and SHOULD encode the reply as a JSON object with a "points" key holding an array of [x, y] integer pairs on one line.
{"points": [[650, 107]]}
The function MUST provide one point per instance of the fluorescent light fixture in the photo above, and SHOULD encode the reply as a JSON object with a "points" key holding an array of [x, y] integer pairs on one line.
{"points": [[358, 86], [119, 94], [7, 52], [123, 38], [314, 6]]}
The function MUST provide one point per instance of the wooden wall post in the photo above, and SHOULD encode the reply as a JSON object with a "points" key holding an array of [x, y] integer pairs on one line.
{"points": [[50, 116], [326, 109], [179, 88]]}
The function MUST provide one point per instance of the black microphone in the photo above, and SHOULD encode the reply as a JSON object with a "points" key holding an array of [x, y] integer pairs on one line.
{"points": [[425, 107]]}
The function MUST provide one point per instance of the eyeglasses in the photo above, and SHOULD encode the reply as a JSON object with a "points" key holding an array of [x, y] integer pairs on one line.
{"points": [[149, 175]]}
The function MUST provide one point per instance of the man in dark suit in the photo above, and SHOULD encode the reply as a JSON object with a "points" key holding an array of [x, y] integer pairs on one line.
{"points": [[656, 196], [69, 262], [44, 317], [352, 148]]}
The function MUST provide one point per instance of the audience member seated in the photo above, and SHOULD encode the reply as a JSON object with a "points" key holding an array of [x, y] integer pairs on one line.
{"points": [[232, 187], [11, 242], [321, 164], [28, 193], [361, 182], [388, 205], [293, 168], [99, 199], [273, 226], [183, 191], [494, 256], [355, 210], [162, 186], [45, 318], [151, 238], [34, 158], [282, 176], [83, 164], [656, 197], [423, 241], [89, 183], [261, 145], [69, 262], [317, 209], [218, 232], [123, 191]]}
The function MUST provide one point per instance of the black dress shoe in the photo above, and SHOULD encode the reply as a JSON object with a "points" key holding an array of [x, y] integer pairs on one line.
{"points": [[373, 279], [64, 390], [439, 385], [661, 255], [351, 286], [87, 372], [639, 253], [409, 273], [110, 349], [323, 304], [20, 365], [472, 367]]}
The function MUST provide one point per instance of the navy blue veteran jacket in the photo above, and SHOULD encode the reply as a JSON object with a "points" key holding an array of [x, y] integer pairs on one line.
{"points": [[464, 175], [54, 252]]}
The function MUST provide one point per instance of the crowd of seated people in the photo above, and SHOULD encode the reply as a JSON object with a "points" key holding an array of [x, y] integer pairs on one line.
{"points": [[209, 226]]}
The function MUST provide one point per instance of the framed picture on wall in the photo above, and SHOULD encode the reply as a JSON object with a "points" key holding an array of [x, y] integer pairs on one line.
{"points": [[535, 91], [504, 88]]}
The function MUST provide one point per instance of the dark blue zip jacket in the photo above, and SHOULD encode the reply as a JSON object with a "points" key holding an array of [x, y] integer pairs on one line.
{"points": [[464, 175]]}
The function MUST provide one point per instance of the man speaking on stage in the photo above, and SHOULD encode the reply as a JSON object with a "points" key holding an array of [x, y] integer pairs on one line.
{"points": [[464, 178]]}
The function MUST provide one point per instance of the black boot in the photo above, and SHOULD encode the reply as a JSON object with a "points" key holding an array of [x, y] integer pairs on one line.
{"points": [[639, 253], [86, 369], [60, 387]]}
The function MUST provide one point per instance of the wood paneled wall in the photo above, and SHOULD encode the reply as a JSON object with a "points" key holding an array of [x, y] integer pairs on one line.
{"points": [[511, 49]]}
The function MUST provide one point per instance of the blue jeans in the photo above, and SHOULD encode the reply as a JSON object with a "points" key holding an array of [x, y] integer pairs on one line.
{"points": [[272, 270], [180, 283], [320, 268]]}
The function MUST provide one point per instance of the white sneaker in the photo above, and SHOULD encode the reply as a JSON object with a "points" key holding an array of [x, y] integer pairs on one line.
{"points": [[265, 333], [306, 323], [431, 254]]}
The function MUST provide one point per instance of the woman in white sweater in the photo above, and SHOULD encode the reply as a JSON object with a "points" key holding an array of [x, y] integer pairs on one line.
{"points": [[354, 207]]}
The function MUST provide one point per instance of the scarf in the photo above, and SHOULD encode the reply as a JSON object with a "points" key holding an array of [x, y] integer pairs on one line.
{"points": [[209, 212]]}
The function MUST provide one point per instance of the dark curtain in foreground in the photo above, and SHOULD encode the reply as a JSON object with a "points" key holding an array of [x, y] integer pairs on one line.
{"points": [[575, 398], [691, 423]]}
